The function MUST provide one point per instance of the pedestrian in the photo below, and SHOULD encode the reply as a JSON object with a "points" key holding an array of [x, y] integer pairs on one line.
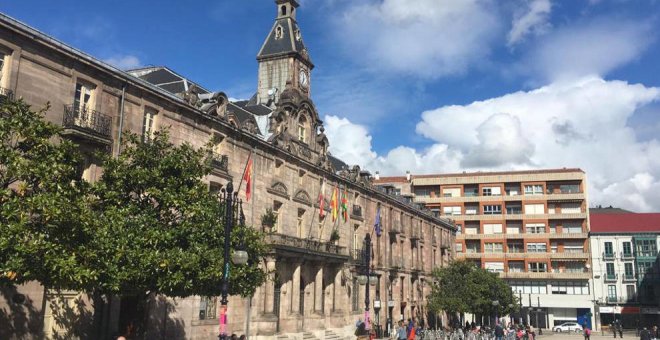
{"points": [[619, 328], [531, 335], [499, 332], [644, 334], [234, 337], [242, 337], [587, 333], [654, 333], [401, 332]]}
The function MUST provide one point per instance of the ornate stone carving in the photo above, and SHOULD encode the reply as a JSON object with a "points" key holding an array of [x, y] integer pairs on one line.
{"points": [[303, 197], [280, 189]]}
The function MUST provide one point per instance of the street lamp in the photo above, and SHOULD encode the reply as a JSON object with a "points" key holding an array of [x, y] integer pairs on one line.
{"points": [[238, 257]]}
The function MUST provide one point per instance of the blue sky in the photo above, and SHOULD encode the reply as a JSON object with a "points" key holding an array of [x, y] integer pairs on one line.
{"points": [[425, 85]]}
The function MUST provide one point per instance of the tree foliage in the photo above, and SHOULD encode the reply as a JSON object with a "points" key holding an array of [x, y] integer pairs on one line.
{"points": [[148, 226], [43, 229], [462, 287]]}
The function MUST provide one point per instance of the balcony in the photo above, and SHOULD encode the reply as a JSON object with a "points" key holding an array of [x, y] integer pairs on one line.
{"points": [[88, 124], [357, 256], [627, 256], [521, 236], [220, 162], [546, 275], [307, 249], [395, 228], [499, 217], [569, 255], [506, 198], [611, 277], [608, 256], [629, 277], [6, 94], [356, 212]]}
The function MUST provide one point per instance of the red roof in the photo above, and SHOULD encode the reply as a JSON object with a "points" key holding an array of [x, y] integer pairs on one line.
{"points": [[625, 223], [392, 179]]}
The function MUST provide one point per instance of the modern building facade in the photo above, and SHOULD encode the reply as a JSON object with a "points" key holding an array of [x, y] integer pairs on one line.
{"points": [[312, 288], [626, 267], [529, 226]]}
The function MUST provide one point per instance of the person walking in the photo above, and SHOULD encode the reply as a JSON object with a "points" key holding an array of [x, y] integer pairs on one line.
{"points": [[654, 333], [401, 332], [587, 332], [619, 328], [499, 332], [644, 334]]}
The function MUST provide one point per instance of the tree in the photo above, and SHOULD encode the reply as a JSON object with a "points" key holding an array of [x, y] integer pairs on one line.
{"points": [[43, 229], [462, 287], [160, 230]]}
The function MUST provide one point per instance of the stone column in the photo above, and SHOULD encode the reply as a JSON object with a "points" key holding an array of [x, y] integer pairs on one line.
{"points": [[269, 289], [318, 290], [295, 288]]}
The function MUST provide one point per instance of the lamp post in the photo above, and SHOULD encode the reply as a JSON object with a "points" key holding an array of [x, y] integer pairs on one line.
{"points": [[239, 257], [511, 305], [367, 279]]}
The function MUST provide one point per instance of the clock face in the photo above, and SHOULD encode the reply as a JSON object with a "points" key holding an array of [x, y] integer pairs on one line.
{"points": [[303, 79]]}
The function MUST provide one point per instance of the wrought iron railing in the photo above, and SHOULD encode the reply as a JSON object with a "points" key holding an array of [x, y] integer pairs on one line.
{"points": [[220, 162], [87, 119], [6, 94], [306, 244], [629, 277], [357, 255], [608, 256], [611, 277]]}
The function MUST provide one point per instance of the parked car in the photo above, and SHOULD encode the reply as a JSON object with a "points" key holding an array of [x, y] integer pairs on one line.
{"points": [[568, 327]]}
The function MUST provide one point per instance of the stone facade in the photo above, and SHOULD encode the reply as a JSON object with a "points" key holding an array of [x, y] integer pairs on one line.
{"points": [[312, 286]]}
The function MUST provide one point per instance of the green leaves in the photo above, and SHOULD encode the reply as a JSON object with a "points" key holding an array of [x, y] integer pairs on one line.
{"points": [[462, 287], [148, 225]]}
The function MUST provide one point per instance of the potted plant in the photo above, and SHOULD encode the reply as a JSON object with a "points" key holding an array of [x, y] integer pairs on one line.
{"points": [[268, 220], [334, 236]]}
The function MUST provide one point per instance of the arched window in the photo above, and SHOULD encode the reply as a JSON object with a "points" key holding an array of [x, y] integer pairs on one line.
{"points": [[283, 10], [278, 32], [302, 129]]}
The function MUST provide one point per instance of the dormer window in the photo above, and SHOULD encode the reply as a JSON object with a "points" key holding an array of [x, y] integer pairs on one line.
{"points": [[278, 32]]}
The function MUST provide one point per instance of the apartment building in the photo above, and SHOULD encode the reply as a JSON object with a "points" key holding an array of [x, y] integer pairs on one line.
{"points": [[313, 288], [626, 279], [529, 226]]}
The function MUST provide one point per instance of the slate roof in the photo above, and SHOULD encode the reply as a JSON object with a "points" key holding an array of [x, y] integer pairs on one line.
{"points": [[287, 44], [623, 223], [166, 79], [337, 163]]}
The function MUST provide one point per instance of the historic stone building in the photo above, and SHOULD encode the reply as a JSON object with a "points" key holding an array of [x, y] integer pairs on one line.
{"points": [[313, 287]]}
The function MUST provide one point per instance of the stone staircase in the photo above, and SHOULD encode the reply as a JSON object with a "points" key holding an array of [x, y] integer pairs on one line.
{"points": [[309, 336], [330, 335], [282, 337]]}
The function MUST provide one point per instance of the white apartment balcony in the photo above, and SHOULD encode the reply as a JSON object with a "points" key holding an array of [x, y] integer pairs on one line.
{"points": [[520, 256], [505, 198], [500, 217], [546, 275], [521, 236]]}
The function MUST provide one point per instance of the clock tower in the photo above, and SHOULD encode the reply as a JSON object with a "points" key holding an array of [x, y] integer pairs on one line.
{"points": [[283, 57]]}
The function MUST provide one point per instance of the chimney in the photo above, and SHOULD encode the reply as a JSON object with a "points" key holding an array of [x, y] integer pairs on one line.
{"points": [[408, 176], [377, 175]]}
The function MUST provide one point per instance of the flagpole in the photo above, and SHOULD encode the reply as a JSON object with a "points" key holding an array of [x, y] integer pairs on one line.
{"points": [[240, 184]]}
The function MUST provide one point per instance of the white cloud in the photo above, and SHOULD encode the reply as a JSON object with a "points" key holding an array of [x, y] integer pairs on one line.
{"points": [[424, 38], [125, 62], [534, 20], [578, 123], [595, 47]]}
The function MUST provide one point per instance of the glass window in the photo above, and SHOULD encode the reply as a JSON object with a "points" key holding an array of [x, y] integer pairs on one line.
{"points": [[459, 247], [471, 210], [536, 189], [148, 124], [537, 267], [609, 269], [516, 266], [571, 228], [451, 192], [473, 247], [630, 292], [627, 248], [493, 247], [513, 209], [573, 247], [515, 247], [535, 228], [571, 208], [628, 268], [569, 188], [82, 97], [2, 66], [491, 191], [537, 248], [611, 292], [452, 210], [609, 249], [493, 209], [471, 230], [646, 248], [208, 307], [496, 267], [513, 228]]}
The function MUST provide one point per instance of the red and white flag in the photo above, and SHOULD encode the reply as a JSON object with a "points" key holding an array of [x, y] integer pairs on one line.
{"points": [[322, 199]]}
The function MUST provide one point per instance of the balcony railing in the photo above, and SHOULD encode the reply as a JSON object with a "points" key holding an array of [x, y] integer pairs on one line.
{"points": [[628, 256], [6, 94], [356, 211], [220, 162], [629, 277], [608, 256], [357, 256], [87, 120], [610, 277], [308, 245]]}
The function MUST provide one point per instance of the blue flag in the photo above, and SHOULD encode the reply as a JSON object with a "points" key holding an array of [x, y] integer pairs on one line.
{"points": [[377, 224]]}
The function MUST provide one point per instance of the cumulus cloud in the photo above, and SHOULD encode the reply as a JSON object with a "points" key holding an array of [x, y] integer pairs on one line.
{"points": [[595, 47], [532, 20], [424, 38], [124, 62], [579, 123]]}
